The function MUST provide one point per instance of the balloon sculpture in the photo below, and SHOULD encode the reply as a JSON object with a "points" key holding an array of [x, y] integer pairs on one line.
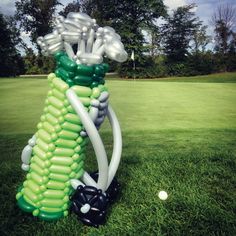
{"points": [[75, 108]]}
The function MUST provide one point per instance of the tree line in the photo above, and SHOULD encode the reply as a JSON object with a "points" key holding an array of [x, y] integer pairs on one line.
{"points": [[178, 46]]}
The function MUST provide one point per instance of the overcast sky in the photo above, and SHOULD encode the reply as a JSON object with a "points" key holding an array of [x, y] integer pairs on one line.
{"points": [[204, 11]]}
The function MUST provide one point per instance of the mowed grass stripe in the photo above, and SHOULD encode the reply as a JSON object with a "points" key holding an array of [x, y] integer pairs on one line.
{"points": [[178, 137], [139, 105], [197, 169]]}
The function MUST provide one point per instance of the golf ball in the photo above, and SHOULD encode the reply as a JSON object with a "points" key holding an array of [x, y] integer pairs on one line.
{"points": [[163, 195]]}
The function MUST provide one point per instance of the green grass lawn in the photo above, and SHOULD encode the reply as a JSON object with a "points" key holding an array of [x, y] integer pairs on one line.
{"points": [[179, 137]]}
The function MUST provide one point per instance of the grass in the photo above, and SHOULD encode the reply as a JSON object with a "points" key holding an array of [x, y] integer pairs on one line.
{"points": [[229, 77], [179, 137]]}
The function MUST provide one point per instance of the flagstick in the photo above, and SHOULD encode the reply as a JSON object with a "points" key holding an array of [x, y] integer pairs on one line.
{"points": [[134, 68], [132, 58]]}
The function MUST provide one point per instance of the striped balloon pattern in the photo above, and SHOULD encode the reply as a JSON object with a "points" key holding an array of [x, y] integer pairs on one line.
{"points": [[58, 149]]}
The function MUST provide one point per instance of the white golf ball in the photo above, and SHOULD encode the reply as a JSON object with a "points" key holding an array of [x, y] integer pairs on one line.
{"points": [[163, 195]]}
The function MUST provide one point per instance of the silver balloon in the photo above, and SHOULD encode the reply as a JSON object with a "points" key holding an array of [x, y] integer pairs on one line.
{"points": [[93, 42]]}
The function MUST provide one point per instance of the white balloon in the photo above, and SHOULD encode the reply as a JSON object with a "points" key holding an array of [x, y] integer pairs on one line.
{"points": [[53, 40], [115, 54], [99, 120], [39, 39], [104, 96], [49, 36], [32, 141], [117, 145], [60, 27], [69, 50], [108, 29], [71, 37], [67, 33], [90, 41], [26, 154], [93, 113], [88, 58], [85, 208], [100, 30], [25, 167], [75, 183], [82, 46], [83, 133], [81, 18], [55, 47], [103, 105], [72, 25], [60, 18], [101, 113], [97, 44], [94, 103], [94, 138], [100, 50], [81, 29]]}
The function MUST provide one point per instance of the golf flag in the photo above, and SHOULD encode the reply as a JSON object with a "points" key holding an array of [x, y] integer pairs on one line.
{"points": [[132, 55]]}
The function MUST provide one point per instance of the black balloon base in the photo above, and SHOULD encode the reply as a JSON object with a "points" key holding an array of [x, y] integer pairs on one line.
{"points": [[90, 204]]}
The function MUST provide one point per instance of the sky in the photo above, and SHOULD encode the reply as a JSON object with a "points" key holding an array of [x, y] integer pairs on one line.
{"points": [[204, 10]]}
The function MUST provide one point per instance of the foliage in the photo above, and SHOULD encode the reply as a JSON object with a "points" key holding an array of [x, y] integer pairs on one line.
{"points": [[11, 63], [177, 48], [200, 39], [149, 67], [178, 31], [223, 20], [222, 36], [200, 64], [38, 64], [36, 17]]}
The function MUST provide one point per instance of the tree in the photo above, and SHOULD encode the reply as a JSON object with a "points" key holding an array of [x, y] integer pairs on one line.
{"points": [[71, 7], [200, 39], [11, 63], [224, 20], [36, 17], [178, 31]]}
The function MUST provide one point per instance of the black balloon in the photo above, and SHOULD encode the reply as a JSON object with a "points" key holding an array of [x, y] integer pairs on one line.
{"points": [[97, 200]]}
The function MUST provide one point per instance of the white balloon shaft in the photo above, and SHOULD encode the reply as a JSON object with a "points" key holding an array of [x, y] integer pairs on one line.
{"points": [[88, 58], [117, 145], [98, 42], [90, 41], [78, 46], [72, 25], [69, 50], [75, 183], [88, 180], [71, 34], [52, 47], [49, 36], [93, 113], [82, 46], [53, 40], [94, 138], [100, 50], [27, 153], [104, 96]]}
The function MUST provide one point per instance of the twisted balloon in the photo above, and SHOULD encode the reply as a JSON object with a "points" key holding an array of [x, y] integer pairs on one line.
{"points": [[83, 40]]}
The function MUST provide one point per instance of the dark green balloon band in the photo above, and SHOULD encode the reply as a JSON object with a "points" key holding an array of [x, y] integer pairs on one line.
{"points": [[83, 75]]}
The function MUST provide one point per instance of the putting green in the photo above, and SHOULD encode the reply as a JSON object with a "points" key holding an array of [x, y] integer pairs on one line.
{"points": [[139, 105]]}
